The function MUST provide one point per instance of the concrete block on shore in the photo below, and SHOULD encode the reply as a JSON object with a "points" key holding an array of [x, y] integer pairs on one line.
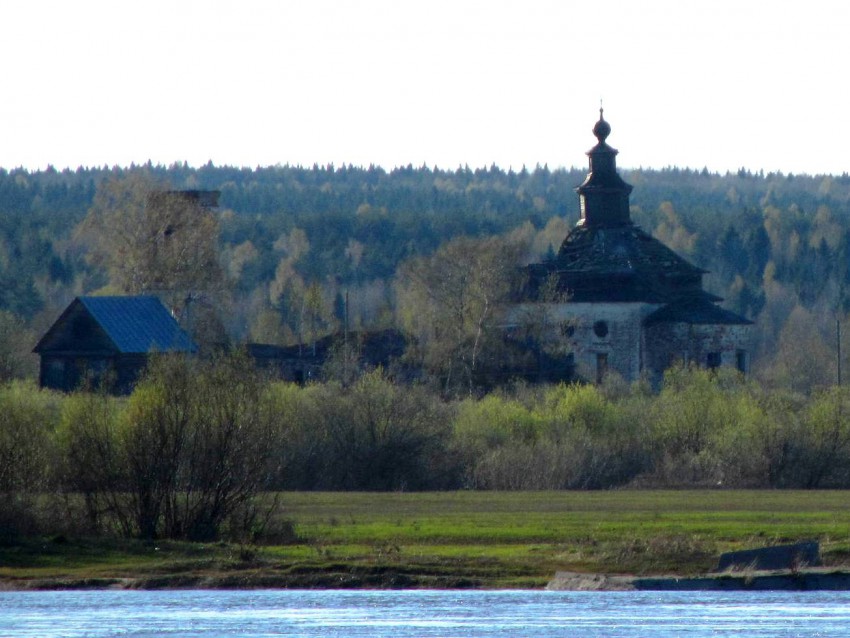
{"points": [[791, 557]]}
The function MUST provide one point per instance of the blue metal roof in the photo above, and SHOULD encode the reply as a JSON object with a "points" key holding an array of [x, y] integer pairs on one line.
{"points": [[138, 324]]}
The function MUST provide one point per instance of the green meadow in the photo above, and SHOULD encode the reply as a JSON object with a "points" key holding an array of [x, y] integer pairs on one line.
{"points": [[454, 539]]}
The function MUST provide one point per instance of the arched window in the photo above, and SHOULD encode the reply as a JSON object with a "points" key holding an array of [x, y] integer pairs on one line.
{"points": [[600, 329]]}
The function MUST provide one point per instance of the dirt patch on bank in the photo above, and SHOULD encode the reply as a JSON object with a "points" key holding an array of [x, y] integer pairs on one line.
{"points": [[259, 579]]}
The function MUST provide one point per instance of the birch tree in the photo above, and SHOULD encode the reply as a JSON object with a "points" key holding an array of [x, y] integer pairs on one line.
{"points": [[450, 301], [151, 239]]}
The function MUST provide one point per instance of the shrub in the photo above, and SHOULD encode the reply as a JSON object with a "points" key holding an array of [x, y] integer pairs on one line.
{"points": [[94, 461], [28, 419], [188, 452], [569, 437], [381, 436]]}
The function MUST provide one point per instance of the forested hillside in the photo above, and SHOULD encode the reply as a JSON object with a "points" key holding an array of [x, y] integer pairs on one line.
{"points": [[293, 242]]}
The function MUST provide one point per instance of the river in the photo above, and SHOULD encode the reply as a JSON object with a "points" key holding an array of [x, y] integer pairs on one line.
{"points": [[403, 614]]}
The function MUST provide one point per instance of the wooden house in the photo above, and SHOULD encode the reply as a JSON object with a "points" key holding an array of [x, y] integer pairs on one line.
{"points": [[99, 340]]}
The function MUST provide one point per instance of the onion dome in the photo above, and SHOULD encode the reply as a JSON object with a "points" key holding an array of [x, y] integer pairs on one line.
{"points": [[602, 129]]}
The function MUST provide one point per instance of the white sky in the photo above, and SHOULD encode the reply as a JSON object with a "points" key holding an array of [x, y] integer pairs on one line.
{"points": [[715, 83]]}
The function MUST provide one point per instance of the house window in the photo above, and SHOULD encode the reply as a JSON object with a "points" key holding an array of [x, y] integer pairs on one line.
{"points": [[713, 360], [95, 372], [741, 361], [80, 328], [600, 329], [601, 366], [54, 374], [97, 366]]}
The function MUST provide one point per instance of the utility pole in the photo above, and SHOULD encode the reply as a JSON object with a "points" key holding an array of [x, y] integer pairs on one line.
{"points": [[345, 319]]}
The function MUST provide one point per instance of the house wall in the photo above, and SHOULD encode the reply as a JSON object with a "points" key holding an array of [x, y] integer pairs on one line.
{"points": [[68, 372], [623, 345], [58, 373], [127, 368], [77, 331], [604, 337], [704, 345]]}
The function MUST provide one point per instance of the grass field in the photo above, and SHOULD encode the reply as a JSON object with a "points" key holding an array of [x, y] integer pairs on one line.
{"points": [[462, 539]]}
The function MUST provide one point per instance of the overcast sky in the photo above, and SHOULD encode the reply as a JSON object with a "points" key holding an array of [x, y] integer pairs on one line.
{"points": [[719, 83]]}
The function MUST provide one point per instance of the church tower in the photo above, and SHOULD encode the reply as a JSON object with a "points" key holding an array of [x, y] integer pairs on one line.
{"points": [[623, 301], [604, 196]]}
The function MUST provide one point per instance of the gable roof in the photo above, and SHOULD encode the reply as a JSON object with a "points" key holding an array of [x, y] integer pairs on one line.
{"points": [[134, 324]]}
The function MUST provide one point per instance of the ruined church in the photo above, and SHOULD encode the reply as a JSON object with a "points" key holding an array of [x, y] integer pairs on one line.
{"points": [[619, 299]]}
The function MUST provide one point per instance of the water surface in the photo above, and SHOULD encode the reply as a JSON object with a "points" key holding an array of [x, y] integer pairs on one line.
{"points": [[404, 614]]}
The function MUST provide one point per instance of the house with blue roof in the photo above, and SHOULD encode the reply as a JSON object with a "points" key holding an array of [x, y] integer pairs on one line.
{"points": [[99, 340]]}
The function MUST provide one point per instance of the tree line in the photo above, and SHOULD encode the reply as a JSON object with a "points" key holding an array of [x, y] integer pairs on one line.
{"points": [[194, 452], [297, 251]]}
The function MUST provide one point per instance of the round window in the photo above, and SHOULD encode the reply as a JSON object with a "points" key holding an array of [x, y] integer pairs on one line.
{"points": [[600, 329]]}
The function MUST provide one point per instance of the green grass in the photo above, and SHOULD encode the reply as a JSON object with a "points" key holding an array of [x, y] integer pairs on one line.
{"points": [[486, 539]]}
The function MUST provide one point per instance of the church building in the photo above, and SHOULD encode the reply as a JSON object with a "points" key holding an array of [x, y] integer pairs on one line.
{"points": [[619, 299]]}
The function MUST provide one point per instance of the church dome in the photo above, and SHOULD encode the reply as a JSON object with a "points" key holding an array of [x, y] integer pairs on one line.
{"points": [[602, 129]]}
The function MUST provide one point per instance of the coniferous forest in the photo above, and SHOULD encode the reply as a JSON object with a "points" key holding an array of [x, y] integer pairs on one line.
{"points": [[293, 242]]}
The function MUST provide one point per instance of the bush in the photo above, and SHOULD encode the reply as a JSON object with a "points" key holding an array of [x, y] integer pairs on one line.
{"points": [[567, 437], [381, 436], [184, 457], [687, 419], [822, 456], [300, 446], [94, 462], [28, 419]]}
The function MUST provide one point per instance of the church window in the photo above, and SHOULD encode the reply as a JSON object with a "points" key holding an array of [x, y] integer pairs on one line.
{"points": [[511, 334], [600, 329], [741, 361], [601, 366]]}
